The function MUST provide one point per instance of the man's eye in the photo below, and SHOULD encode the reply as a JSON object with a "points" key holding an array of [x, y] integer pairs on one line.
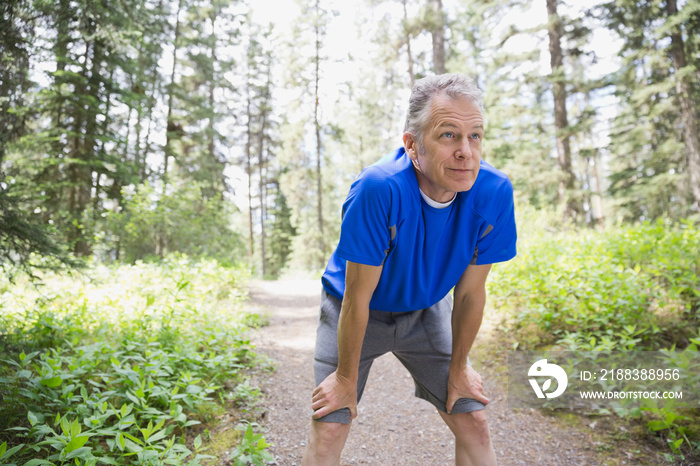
{"points": [[449, 134], [475, 136]]}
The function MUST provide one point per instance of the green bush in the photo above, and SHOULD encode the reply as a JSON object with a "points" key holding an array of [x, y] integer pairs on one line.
{"points": [[115, 368], [630, 287]]}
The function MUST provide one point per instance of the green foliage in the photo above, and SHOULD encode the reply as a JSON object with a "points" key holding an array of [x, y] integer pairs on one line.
{"points": [[631, 287], [251, 450], [282, 232], [182, 220], [248, 399], [118, 368], [649, 167], [25, 243], [14, 57], [83, 131], [672, 418]]}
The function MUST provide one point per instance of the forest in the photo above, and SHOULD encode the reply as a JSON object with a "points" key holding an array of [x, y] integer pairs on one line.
{"points": [[192, 144]]}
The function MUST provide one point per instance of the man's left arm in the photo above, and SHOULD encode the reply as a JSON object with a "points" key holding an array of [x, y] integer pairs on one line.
{"points": [[468, 310]]}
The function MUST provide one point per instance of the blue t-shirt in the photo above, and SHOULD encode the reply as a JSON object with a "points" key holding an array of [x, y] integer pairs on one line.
{"points": [[424, 250]]}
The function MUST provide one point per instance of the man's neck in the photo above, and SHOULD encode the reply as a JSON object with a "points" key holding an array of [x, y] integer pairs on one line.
{"points": [[436, 204]]}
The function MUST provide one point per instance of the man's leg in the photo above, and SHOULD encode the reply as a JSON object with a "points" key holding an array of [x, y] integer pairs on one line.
{"points": [[325, 443], [327, 436], [472, 439], [425, 348]]}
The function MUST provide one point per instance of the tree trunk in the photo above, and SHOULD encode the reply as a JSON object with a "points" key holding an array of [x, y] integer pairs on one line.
{"points": [[561, 122], [407, 39], [597, 197], [82, 149], [317, 126], [117, 180], [261, 194], [56, 194], [684, 93], [137, 88], [143, 174], [211, 139], [63, 39], [172, 127], [249, 172], [437, 29]]}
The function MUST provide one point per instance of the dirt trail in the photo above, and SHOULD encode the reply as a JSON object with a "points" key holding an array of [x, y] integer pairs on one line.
{"points": [[393, 427]]}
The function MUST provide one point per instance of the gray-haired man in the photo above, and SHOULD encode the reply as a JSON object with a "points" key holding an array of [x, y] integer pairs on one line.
{"points": [[428, 218]]}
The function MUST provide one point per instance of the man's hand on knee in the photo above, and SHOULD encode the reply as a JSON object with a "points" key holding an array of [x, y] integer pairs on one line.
{"points": [[334, 393], [465, 383]]}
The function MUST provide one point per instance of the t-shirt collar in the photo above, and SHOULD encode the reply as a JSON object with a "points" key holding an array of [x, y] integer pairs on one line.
{"points": [[436, 204]]}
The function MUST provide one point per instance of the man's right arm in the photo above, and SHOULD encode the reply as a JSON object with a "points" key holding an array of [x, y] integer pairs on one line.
{"points": [[339, 390]]}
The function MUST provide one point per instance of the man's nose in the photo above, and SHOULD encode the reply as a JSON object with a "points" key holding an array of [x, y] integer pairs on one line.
{"points": [[465, 150]]}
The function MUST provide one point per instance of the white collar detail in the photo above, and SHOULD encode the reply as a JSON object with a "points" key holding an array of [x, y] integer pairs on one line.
{"points": [[436, 204]]}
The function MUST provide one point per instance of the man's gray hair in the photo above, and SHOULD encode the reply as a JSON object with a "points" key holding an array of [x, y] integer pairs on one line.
{"points": [[453, 85]]}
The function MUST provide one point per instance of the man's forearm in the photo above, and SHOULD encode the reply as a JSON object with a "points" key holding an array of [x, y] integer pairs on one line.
{"points": [[466, 321], [360, 283], [351, 333]]}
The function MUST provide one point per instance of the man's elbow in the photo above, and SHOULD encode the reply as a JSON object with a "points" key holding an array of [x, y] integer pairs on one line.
{"points": [[471, 299]]}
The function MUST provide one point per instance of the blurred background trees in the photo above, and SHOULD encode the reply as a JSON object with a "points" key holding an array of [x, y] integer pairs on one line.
{"points": [[136, 128]]}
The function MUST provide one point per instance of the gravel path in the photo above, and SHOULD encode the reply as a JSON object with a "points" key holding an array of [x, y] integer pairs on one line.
{"points": [[393, 427]]}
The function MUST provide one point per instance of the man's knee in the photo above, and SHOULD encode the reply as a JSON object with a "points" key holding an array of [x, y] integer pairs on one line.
{"points": [[328, 431], [471, 426], [328, 438]]}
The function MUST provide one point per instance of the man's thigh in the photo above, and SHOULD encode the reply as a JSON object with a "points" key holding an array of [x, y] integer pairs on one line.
{"points": [[378, 341], [424, 347]]}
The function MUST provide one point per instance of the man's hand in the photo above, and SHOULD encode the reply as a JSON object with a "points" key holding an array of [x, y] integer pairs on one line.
{"points": [[334, 393], [464, 384]]}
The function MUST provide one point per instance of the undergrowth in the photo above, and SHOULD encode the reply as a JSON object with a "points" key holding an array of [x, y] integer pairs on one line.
{"points": [[628, 288], [120, 365]]}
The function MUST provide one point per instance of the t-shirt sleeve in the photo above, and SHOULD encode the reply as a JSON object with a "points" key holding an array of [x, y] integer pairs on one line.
{"points": [[364, 231], [497, 242]]}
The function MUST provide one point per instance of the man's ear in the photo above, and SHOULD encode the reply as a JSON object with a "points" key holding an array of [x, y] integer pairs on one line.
{"points": [[410, 145]]}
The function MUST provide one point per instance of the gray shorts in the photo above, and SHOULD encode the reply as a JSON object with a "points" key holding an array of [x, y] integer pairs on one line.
{"points": [[421, 340]]}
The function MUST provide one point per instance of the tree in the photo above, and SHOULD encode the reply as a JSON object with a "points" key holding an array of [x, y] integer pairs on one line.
{"points": [[14, 70], [407, 34], [650, 176], [25, 243], [263, 139], [281, 233], [685, 95], [89, 132], [435, 23], [318, 31], [567, 182], [518, 137], [174, 128], [261, 144], [303, 184]]}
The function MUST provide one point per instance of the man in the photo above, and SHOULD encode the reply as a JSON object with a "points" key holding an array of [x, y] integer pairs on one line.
{"points": [[424, 220]]}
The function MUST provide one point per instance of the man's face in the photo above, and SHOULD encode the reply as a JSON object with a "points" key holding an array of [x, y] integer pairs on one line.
{"points": [[449, 160]]}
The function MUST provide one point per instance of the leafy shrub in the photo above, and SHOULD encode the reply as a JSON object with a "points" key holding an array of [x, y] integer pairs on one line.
{"points": [[251, 450], [630, 287], [115, 367]]}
